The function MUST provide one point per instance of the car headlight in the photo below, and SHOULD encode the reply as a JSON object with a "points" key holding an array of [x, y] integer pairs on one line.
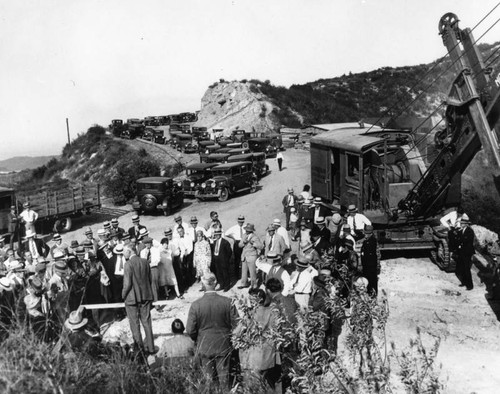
{"points": [[192, 184], [267, 149], [179, 184], [203, 185]]}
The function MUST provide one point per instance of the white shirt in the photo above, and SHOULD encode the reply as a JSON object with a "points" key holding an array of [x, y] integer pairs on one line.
{"points": [[235, 232], [191, 231], [154, 255], [265, 267], [29, 216], [450, 220], [282, 231], [175, 233], [358, 222], [120, 265], [185, 245], [279, 156], [302, 281]]}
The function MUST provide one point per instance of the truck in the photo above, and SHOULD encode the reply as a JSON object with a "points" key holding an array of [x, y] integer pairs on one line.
{"points": [[382, 172], [56, 204]]}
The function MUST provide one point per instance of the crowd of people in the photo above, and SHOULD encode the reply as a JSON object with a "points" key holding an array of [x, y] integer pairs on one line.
{"points": [[319, 254]]}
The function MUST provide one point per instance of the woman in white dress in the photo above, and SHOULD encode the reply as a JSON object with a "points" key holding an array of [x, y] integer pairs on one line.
{"points": [[202, 256], [166, 269]]}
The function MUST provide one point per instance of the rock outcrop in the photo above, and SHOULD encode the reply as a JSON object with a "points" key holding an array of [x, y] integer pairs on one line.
{"points": [[237, 106]]}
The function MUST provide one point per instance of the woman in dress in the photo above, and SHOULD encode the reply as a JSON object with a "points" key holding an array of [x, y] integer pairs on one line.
{"points": [[166, 271], [202, 255]]}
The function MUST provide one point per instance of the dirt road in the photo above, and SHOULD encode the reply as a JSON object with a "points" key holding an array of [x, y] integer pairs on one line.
{"points": [[419, 294]]}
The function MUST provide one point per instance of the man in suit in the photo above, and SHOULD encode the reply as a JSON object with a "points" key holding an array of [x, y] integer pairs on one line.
{"points": [[210, 321], [319, 209], [138, 296], [465, 252], [320, 244], [136, 228], [221, 258], [370, 260], [274, 243], [289, 201], [116, 228], [251, 248], [320, 226], [36, 246]]}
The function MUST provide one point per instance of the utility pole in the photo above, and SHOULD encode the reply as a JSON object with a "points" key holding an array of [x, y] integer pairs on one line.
{"points": [[67, 129]]}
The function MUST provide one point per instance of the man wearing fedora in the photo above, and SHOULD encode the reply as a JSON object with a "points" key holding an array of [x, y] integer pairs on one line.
{"points": [[221, 260], [115, 227], [323, 231], [465, 252], [289, 201], [306, 213], [58, 244], [138, 296], [89, 237], [370, 260], [136, 227], [210, 322], [78, 338], [320, 210], [357, 222], [35, 245], [274, 243], [252, 246], [302, 282], [178, 222], [271, 266], [193, 228]]}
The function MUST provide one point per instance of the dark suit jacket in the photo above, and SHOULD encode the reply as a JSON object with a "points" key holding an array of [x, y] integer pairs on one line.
{"points": [[225, 252], [137, 281], [211, 319], [466, 245], [133, 233], [284, 202], [41, 247]]}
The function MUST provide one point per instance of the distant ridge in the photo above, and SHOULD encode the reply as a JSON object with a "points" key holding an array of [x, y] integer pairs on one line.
{"points": [[19, 163]]}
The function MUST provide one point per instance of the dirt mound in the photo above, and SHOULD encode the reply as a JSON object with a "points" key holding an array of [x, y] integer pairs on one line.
{"points": [[237, 106]]}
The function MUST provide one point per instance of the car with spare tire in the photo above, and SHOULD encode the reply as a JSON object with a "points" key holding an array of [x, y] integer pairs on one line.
{"points": [[158, 194], [227, 180]]}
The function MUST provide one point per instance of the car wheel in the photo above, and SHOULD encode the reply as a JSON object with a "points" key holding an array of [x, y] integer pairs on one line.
{"points": [[253, 187], [224, 194], [62, 225]]}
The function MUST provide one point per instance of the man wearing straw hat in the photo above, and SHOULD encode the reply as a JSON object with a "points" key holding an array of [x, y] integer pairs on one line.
{"points": [[251, 245], [28, 216], [302, 282]]}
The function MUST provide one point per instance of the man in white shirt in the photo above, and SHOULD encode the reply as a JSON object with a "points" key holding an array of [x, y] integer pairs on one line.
{"points": [[28, 216], [236, 233], [301, 280], [185, 244], [178, 223], [193, 228], [357, 221]]}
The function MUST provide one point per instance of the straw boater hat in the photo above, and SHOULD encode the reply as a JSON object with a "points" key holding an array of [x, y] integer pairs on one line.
{"points": [[465, 219], [76, 320], [5, 284], [56, 237], [36, 284], [118, 249], [352, 208], [320, 220], [135, 219], [250, 227], [177, 217], [143, 233], [80, 251], [101, 232], [306, 245], [194, 219], [277, 222], [317, 200], [168, 231], [106, 225], [114, 221], [125, 236], [302, 263], [26, 205], [217, 231], [241, 218], [16, 266], [273, 257], [103, 245], [60, 266], [87, 244], [349, 243], [346, 228], [58, 255], [74, 244], [88, 231]]}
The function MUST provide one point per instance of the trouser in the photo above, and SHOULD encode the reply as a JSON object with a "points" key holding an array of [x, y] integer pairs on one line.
{"points": [[222, 273], [217, 368], [465, 276], [155, 284], [141, 313], [303, 300], [237, 259], [280, 163], [177, 263], [287, 217], [372, 282], [248, 264]]}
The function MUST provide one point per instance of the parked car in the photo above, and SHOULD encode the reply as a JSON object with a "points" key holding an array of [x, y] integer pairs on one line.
{"points": [[258, 160], [181, 140], [190, 147], [116, 127], [228, 179], [238, 151], [215, 158], [148, 134], [158, 193], [262, 144], [224, 141], [159, 137], [196, 173], [224, 149]]}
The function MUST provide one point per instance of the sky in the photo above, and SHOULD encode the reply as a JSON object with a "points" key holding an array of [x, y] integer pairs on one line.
{"points": [[93, 60]]}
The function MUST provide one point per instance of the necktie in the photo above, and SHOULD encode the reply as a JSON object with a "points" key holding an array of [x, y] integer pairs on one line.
{"points": [[289, 201], [354, 223], [298, 277], [149, 256], [271, 243], [217, 245], [121, 263], [241, 233]]}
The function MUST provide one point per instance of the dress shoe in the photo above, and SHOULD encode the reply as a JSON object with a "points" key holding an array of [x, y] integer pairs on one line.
{"points": [[469, 288], [243, 286], [461, 285]]}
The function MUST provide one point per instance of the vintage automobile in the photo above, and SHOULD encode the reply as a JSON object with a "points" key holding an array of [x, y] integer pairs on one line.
{"points": [[239, 151], [158, 193], [224, 141], [262, 144], [196, 173], [116, 127], [239, 135], [214, 158], [150, 121], [228, 179], [258, 159], [234, 145], [206, 143], [148, 134], [207, 150], [224, 149], [181, 140], [159, 137], [134, 129], [190, 147]]}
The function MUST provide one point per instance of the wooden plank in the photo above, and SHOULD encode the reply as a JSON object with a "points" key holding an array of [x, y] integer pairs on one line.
{"points": [[120, 305]]}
